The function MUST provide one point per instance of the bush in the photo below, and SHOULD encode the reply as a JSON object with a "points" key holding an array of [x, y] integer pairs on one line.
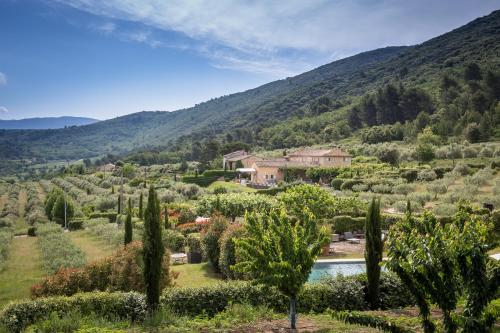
{"points": [[461, 169], [57, 249], [194, 250], [120, 272], [470, 152], [409, 174], [173, 240], [382, 188], [486, 152], [18, 315], [32, 231], [404, 189], [169, 196], [426, 175], [337, 293], [210, 240], [345, 223], [75, 225], [337, 183], [110, 216], [349, 183], [105, 203], [219, 190], [227, 257]]}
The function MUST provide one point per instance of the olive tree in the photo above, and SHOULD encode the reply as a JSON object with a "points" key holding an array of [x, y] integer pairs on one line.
{"points": [[280, 251]]}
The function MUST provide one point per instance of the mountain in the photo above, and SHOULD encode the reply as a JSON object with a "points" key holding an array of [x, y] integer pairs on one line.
{"points": [[254, 110], [46, 122]]}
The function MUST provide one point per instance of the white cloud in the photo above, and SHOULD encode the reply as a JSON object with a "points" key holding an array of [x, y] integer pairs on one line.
{"points": [[254, 34], [106, 28], [3, 79], [3, 109]]}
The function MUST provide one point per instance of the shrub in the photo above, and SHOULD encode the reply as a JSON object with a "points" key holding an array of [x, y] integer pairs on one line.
{"points": [[210, 240], [120, 272], [486, 152], [470, 152], [219, 190], [461, 169], [404, 189], [349, 183], [368, 320], [227, 257], [57, 250], [337, 183], [420, 197], [194, 249], [32, 231], [360, 188], [337, 293], [173, 240], [343, 223], [426, 175], [381, 188], [18, 315], [111, 216], [105, 203], [75, 225], [409, 174], [169, 196]]}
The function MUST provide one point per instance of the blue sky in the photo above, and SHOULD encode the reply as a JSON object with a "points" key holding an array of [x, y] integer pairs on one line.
{"points": [[108, 58]]}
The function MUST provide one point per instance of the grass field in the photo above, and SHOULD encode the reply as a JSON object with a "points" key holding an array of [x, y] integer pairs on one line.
{"points": [[94, 248], [231, 187], [21, 202], [195, 275], [22, 270]]}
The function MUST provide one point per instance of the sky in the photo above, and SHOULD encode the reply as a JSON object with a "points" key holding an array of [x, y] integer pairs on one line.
{"points": [[104, 59]]}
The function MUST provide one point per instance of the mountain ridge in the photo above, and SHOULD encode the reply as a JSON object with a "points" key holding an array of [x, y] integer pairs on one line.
{"points": [[342, 81], [46, 122]]}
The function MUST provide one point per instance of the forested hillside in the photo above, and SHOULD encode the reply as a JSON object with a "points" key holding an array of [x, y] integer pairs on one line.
{"points": [[448, 81]]}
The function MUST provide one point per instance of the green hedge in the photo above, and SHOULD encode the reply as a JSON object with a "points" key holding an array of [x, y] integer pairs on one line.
{"points": [[343, 223], [336, 293], [349, 183], [337, 183], [18, 315], [111, 216], [227, 174], [200, 180]]}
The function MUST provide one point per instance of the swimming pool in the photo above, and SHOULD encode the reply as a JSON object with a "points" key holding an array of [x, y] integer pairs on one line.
{"points": [[345, 268]]}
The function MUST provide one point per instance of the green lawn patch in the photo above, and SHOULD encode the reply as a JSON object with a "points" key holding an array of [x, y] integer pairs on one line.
{"points": [[93, 247], [231, 187], [21, 271], [195, 275]]}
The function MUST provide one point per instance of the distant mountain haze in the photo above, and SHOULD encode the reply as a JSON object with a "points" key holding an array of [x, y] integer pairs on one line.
{"points": [[46, 122]]}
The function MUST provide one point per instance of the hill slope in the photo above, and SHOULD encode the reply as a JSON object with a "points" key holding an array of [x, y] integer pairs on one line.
{"points": [[46, 122], [343, 80]]}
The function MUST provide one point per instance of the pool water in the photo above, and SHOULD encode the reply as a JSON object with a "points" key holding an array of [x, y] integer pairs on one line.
{"points": [[334, 268]]}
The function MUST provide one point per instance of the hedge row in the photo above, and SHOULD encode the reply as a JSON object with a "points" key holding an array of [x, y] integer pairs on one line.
{"points": [[111, 216], [202, 181], [338, 293], [227, 174], [18, 315]]}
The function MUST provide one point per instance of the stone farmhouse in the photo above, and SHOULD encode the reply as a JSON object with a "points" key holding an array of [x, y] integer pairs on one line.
{"points": [[270, 171]]}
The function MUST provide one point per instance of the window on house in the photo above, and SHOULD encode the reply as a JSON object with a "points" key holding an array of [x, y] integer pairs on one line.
{"points": [[329, 158], [272, 176], [267, 177]]}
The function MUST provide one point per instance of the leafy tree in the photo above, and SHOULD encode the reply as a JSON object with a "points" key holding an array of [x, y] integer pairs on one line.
{"points": [[184, 166], [373, 251], [472, 72], [50, 200], [441, 263], [153, 250], [280, 251], [58, 208], [304, 199], [128, 223], [210, 240]]}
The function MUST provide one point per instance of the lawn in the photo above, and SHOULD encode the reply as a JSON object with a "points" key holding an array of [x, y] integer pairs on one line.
{"points": [[231, 187], [21, 271], [195, 275], [94, 248]]}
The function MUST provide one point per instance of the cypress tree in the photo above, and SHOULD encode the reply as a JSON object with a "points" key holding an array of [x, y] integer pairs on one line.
{"points": [[119, 204], [128, 224], [141, 213], [152, 250], [167, 222], [112, 190], [373, 251]]}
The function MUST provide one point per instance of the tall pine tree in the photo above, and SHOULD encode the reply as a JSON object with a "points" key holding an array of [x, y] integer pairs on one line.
{"points": [[152, 250], [373, 251], [128, 224]]}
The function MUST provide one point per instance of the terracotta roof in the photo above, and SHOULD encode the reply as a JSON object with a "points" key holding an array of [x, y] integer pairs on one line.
{"points": [[282, 163], [235, 153], [319, 152]]}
